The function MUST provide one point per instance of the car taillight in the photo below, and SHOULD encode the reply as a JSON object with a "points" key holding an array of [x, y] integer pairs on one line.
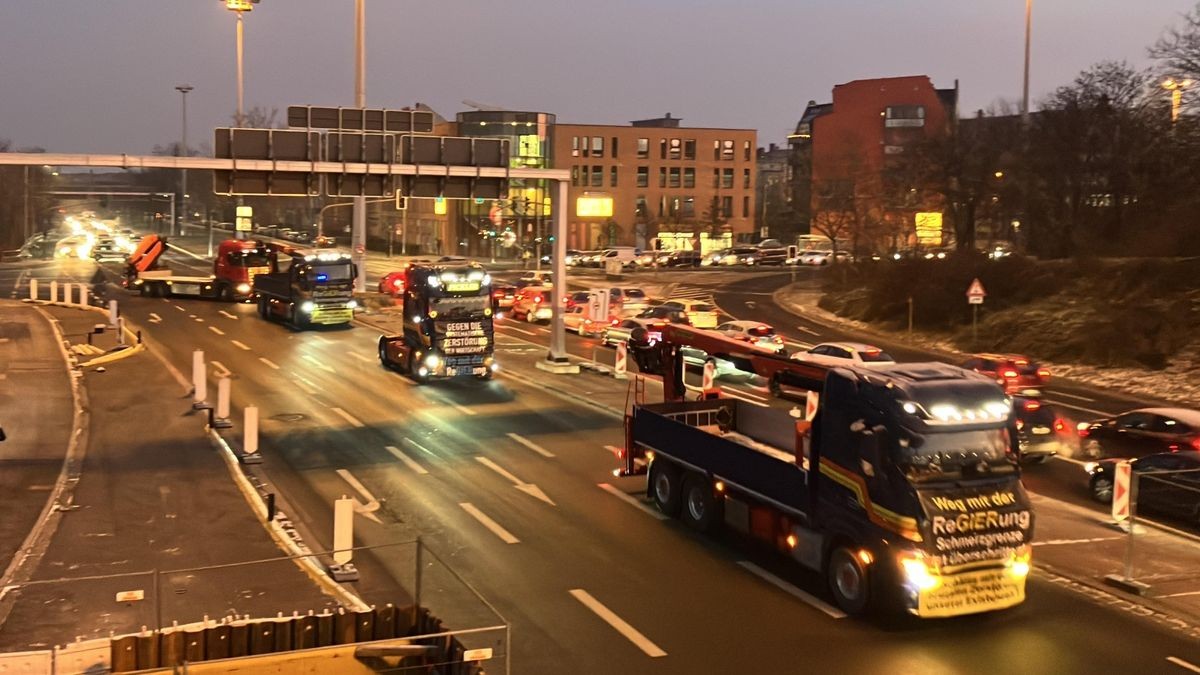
{"points": [[1009, 373], [1043, 372], [1020, 424], [1032, 405], [1196, 443], [1084, 431], [1060, 425]]}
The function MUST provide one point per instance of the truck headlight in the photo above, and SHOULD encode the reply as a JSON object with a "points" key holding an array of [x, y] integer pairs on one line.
{"points": [[1018, 563], [353, 304], [307, 306], [432, 361], [916, 573], [243, 288]]}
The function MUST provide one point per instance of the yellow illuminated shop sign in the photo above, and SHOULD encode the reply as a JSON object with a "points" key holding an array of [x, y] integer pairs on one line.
{"points": [[929, 228], [594, 207]]}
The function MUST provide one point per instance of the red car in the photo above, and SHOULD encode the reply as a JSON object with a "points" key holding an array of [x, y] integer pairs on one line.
{"points": [[392, 283], [1011, 371]]}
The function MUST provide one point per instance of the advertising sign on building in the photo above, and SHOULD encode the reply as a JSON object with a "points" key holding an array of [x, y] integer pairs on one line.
{"points": [[929, 228]]}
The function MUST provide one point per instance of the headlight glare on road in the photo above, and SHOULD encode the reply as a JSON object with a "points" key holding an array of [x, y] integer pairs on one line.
{"points": [[307, 306], [916, 572], [243, 288]]}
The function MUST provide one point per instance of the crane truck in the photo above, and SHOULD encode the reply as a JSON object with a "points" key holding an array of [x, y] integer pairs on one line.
{"points": [[447, 330], [899, 485], [236, 264]]}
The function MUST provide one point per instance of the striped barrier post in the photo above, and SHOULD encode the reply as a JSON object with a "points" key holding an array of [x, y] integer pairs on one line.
{"points": [[620, 367], [199, 379], [33, 289]]}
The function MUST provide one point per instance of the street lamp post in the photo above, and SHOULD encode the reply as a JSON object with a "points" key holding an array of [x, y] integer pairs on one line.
{"points": [[358, 234], [183, 89], [239, 7], [1176, 88], [1025, 85]]}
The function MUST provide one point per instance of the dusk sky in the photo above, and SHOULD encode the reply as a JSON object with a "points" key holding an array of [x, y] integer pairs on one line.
{"points": [[99, 75]]}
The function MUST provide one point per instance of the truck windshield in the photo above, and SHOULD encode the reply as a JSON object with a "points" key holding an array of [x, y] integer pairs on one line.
{"points": [[332, 273], [249, 259], [951, 454]]}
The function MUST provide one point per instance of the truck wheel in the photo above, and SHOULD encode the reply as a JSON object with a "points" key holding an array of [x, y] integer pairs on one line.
{"points": [[297, 319], [225, 293], [774, 386], [383, 356], [700, 509], [848, 580], [664, 487]]}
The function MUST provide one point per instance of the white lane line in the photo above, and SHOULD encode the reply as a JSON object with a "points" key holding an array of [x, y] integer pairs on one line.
{"points": [[240, 345], [1072, 460], [357, 485], [500, 470], [528, 488], [418, 446], [308, 388], [180, 309], [1183, 664], [317, 362], [620, 625], [198, 319], [756, 397], [408, 461], [614, 450], [1065, 542], [360, 357], [272, 365], [227, 314], [629, 499], [727, 392], [1178, 595], [322, 338], [216, 330], [1072, 406], [791, 590], [520, 330], [1080, 398], [807, 330], [354, 421], [462, 408], [220, 370], [505, 536], [531, 445], [154, 318]]}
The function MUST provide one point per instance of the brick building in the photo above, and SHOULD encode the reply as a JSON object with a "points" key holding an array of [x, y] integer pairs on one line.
{"points": [[855, 165]]}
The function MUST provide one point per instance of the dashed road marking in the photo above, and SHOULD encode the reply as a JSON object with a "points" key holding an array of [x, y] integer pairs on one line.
{"points": [[495, 528], [318, 363], [227, 314], [620, 625], [631, 500], [408, 461], [306, 386], [199, 320], [531, 445], [1074, 396], [1183, 664], [240, 345], [420, 447], [216, 330], [268, 363], [807, 330], [1072, 406], [220, 370], [1065, 542], [154, 318], [354, 421], [180, 308], [360, 357], [520, 330], [791, 589]]}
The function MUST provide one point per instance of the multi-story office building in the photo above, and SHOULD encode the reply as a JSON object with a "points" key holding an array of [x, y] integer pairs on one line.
{"points": [[687, 187]]}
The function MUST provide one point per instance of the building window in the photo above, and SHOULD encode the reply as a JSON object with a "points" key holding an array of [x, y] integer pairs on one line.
{"points": [[746, 151], [746, 178], [598, 146], [676, 148], [674, 177], [583, 177], [612, 176], [716, 150], [643, 148], [727, 150], [687, 207], [574, 146], [904, 116], [746, 207], [689, 177], [575, 176], [614, 147], [662, 176], [726, 206], [662, 206], [640, 208], [673, 206], [689, 149], [597, 176], [727, 178], [662, 148], [643, 176]]}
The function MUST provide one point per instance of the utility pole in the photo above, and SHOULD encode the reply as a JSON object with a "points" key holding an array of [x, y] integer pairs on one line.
{"points": [[183, 150], [358, 235], [1025, 88]]}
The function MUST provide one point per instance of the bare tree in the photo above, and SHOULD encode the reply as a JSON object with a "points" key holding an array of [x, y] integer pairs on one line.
{"points": [[1179, 47], [845, 196]]}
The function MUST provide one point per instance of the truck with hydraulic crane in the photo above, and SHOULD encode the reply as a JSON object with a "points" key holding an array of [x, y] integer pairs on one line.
{"points": [[234, 267]]}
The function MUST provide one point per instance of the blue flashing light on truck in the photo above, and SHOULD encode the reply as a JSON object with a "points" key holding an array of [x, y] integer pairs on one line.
{"points": [[902, 488], [306, 289], [448, 329]]}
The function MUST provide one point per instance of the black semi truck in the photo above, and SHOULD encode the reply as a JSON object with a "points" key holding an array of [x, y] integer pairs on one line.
{"points": [[306, 289]]}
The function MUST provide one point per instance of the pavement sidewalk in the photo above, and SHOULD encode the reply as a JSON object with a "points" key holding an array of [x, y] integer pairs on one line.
{"points": [[1074, 546], [151, 494]]}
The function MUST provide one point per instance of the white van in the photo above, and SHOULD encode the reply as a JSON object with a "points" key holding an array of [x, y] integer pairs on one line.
{"points": [[626, 254]]}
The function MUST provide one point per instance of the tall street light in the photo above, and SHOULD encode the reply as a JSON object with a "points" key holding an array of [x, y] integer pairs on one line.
{"points": [[183, 89], [1176, 88], [358, 234], [239, 7], [1025, 87]]}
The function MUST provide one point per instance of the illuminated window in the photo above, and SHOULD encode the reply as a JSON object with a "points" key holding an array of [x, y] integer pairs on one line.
{"points": [[689, 149], [727, 150], [716, 150], [643, 148], [746, 151], [597, 146], [676, 148], [689, 177], [643, 176], [574, 146], [662, 148], [597, 176]]}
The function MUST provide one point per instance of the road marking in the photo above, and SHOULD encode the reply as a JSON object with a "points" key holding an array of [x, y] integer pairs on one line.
{"points": [[1081, 398], [216, 330], [608, 616], [1072, 460], [462, 408], [408, 461], [614, 450], [496, 529], [154, 318], [727, 392], [630, 499], [520, 330], [531, 445], [180, 309], [221, 370], [227, 314], [419, 447], [308, 388], [1172, 595], [199, 320], [1072, 406], [360, 357], [240, 345], [1183, 664], [807, 330], [528, 488], [268, 363], [366, 510], [354, 421], [791, 590], [322, 338], [756, 397], [1064, 542], [317, 362]]}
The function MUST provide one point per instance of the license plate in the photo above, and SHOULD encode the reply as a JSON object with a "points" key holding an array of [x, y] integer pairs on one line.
{"points": [[462, 286], [1041, 431]]}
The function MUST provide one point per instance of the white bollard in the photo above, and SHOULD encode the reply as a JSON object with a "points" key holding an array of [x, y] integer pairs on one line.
{"points": [[112, 312], [250, 422], [620, 367], [121, 330], [54, 291], [83, 295], [199, 379], [221, 421], [33, 289]]}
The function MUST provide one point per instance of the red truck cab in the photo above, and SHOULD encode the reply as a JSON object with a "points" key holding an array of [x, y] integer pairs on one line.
{"points": [[236, 264]]}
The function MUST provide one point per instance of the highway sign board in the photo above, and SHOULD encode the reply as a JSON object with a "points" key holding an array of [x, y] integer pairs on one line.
{"points": [[975, 292], [266, 144], [1122, 473], [360, 119]]}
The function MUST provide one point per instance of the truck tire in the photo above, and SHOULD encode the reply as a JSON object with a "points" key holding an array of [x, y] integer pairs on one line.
{"points": [[225, 293], [383, 357], [775, 387], [700, 510], [262, 308], [849, 581], [297, 320], [665, 488]]}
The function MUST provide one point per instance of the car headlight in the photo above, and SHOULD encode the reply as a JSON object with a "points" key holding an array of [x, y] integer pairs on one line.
{"points": [[243, 288], [432, 361], [916, 573], [307, 306], [352, 304]]}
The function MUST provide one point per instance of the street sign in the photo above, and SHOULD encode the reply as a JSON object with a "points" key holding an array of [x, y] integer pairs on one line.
{"points": [[266, 144], [360, 119], [975, 293], [245, 218], [454, 151], [1122, 473]]}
